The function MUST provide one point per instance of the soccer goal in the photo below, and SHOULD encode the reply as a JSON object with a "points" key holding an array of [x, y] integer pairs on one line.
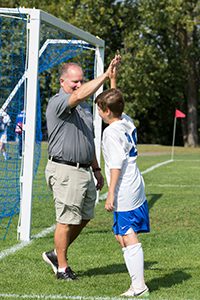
{"points": [[33, 44]]}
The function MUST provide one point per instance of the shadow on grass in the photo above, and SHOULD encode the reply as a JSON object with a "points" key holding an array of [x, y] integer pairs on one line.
{"points": [[105, 270], [177, 276], [168, 280], [152, 198], [112, 269], [95, 231]]}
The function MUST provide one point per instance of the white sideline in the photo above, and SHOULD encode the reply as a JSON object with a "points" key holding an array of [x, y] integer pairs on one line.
{"points": [[175, 185], [43, 233], [157, 166], [103, 197], [21, 245], [58, 297]]}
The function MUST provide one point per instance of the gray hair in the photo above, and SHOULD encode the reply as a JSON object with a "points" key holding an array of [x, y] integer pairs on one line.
{"points": [[66, 66]]}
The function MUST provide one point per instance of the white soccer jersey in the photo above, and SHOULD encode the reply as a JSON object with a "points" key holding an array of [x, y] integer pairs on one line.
{"points": [[119, 146], [4, 123]]}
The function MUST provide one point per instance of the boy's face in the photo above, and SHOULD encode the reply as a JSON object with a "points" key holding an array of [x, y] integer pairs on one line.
{"points": [[104, 114]]}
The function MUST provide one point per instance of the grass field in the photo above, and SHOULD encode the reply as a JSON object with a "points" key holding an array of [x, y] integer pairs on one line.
{"points": [[171, 249]]}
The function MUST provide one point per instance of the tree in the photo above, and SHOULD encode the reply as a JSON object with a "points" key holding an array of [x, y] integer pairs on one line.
{"points": [[159, 42], [162, 58]]}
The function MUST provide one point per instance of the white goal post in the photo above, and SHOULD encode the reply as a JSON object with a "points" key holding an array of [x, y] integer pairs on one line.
{"points": [[35, 18]]}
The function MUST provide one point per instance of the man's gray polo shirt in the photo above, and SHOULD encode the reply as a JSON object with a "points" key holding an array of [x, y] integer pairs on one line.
{"points": [[70, 131]]}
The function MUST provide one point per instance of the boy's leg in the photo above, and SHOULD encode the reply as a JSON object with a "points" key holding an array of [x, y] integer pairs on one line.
{"points": [[3, 150], [20, 144], [134, 260]]}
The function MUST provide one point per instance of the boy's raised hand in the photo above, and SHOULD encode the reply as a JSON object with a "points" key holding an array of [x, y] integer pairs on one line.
{"points": [[113, 65], [114, 69]]}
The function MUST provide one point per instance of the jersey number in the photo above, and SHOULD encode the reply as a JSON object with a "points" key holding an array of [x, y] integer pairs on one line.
{"points": [[133, 140]]}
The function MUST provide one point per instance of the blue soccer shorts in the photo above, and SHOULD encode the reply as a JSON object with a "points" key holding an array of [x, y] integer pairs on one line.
{"points": [[137, 219]]}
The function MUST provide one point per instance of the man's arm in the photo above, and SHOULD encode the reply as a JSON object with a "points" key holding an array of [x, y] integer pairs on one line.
{"points": [[89, 88], [97, 173]]}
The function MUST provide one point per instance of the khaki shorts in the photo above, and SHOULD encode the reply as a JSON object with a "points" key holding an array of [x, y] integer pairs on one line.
{"points": [[74, 192]]}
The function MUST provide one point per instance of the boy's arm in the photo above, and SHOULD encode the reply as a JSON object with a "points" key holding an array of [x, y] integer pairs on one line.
{"points": [[113, 73], [113, 84], [114, 177]]}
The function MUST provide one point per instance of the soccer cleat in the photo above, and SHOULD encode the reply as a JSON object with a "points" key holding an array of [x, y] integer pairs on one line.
{"points": [[73, 273], [67, 275], [7, 157], [51, 259], [131, 293]]}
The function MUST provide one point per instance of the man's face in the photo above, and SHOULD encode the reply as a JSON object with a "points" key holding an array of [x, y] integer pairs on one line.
{"points": [[72, 80]]}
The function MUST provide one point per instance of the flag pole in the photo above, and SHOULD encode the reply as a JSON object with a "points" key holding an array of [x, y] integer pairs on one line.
{"points": [[173, 141]]}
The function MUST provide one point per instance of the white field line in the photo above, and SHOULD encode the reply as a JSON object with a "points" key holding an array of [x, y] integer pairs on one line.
{"points": [[43, 233], [58, 297], [174, 185], [188, 160], [103, 197], [157, 166], [21, 245]]}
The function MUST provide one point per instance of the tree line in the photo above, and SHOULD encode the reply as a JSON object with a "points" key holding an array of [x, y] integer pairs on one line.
{"points": [[159, 42]]}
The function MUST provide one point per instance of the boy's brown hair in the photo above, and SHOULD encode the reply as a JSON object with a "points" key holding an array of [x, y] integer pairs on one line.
{"points": [[112, 99]]}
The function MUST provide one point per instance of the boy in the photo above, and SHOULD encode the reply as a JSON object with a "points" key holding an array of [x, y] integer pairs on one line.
{"points": [[126, 195], [19, 130], [4, 123]]}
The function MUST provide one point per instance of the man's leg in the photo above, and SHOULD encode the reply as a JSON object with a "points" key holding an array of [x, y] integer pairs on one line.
{"points": [[76, 230], [66, 234], [61, 239]]}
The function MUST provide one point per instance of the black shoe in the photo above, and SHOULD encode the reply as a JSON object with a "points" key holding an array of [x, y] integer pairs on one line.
{"points": [[51, 258], [73, 273], [67, 275]]}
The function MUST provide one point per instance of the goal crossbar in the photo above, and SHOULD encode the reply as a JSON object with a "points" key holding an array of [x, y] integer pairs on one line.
{"points": [[62, 25]]}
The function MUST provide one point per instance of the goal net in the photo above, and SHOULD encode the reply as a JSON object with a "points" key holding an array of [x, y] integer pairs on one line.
{"points": [[33, 45]]}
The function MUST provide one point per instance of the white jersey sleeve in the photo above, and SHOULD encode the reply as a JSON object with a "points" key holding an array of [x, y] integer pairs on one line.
{"points": [[6, 118], [113, 150]]}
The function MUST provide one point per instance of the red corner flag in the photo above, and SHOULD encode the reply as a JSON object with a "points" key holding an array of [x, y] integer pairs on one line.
{"points": [[179, 114]]}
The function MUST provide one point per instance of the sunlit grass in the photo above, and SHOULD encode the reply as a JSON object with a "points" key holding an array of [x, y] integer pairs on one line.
{"points": [[172, 267]]}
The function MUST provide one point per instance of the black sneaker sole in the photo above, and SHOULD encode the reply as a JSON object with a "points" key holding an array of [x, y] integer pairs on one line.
{"points": [[65, 279], [47, 260]]}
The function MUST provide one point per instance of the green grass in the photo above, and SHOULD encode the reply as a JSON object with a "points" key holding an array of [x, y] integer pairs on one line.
{"points": [[171, 249]]}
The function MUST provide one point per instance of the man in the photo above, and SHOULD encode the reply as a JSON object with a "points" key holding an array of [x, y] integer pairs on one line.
{"points": [[71, 159]]}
